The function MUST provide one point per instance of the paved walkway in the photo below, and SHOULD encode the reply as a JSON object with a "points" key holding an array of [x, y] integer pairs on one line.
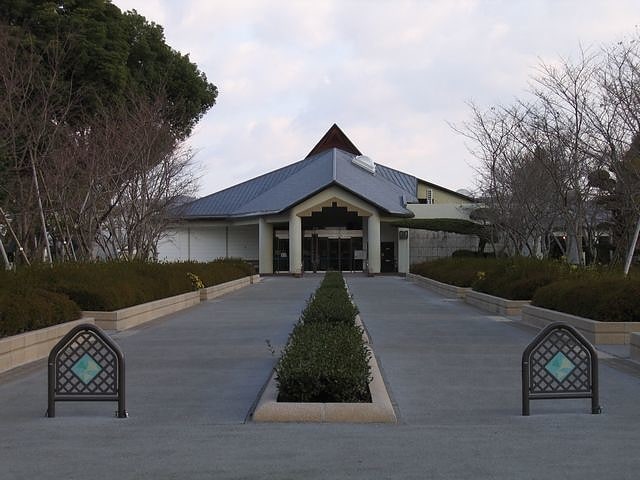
{"points": [[453, 372]]}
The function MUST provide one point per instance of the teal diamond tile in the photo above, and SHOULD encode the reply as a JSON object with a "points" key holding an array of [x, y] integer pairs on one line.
{"points": [[559, 366], [86, 368]]}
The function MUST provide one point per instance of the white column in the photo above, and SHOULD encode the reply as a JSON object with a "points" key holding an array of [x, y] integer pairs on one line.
{"points": [[403, 250], [265, 247], [373, 240], [295, 244]]}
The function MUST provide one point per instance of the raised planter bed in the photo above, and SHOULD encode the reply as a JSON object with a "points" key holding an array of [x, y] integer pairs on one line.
{"points": [[28, 347], [379, 410], [442, 288], [597, 332], [499, 305], [130, 317]]}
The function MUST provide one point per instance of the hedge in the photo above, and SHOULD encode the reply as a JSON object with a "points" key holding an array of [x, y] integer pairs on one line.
{"points": [[518, 278], [604, 297], [515, 278], [26, 309], [326, 358], [461, 272], [44, 295]]}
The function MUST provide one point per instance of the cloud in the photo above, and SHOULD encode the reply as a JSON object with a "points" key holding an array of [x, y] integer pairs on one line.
{"points": [[391, 74]]}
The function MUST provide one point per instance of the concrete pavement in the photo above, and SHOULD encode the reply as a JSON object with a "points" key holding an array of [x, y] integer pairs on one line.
{"points": [[453, 373]]}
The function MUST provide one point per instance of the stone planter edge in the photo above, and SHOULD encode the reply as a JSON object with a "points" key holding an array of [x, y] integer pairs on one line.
{"points": [[18, 350], [445, 289], [597, 332], [493, 304]]}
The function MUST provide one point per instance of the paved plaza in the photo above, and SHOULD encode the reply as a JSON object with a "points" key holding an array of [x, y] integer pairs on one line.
{"points": [[453, 373]]}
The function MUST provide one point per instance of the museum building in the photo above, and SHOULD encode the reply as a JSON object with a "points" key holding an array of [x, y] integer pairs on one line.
{"points": [[334, 210]]}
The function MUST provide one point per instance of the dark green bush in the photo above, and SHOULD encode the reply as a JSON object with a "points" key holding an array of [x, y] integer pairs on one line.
{"points": [[599, 296], [326, 359], [64, 289], [330, 304], [518, 278], [115, 285], [324, 362], [25, 309], [462, 272]]}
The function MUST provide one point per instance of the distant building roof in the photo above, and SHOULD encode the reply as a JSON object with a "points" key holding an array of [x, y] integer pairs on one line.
{"points": [[277, 191], [330, 162]]}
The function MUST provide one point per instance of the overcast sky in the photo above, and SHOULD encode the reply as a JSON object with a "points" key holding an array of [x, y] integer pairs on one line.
{"points": [[391, 74]]}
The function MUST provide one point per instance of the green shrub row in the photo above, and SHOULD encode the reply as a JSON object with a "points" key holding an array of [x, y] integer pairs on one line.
{"points": [[515, 278], [102, 286], [518, 278], [461, 272], [26, 309], [597, 294], [604, 297], [325, 359]]}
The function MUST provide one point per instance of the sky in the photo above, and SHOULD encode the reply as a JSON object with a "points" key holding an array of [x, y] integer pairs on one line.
{"points": [[394, 75]]}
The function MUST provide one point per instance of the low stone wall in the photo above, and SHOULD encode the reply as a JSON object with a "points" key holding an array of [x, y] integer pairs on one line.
{"points": [[28, 347], [442, 288], [130, 317], [499, 305], [216, 291], [597, 332], [380, 410]]}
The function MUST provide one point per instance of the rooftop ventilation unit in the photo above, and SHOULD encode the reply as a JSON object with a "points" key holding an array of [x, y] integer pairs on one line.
{"points": [[364, 162]]}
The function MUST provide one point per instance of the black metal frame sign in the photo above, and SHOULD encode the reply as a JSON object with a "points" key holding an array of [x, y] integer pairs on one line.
{"points": [[559, 363], [86, 365]]}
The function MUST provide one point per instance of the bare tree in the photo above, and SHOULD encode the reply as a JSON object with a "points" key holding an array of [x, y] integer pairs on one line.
{"points": [[33, 108]]}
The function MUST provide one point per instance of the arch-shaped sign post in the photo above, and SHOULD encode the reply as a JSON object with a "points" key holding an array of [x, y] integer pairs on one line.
{"points": [[559, 363], [86, 365]]}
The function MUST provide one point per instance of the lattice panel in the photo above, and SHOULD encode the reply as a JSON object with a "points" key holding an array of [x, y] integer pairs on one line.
{"points": [[552, 373], [86, 365]]}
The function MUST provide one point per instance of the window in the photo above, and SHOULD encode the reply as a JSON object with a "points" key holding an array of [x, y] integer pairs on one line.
{"points": [[429, 196]]}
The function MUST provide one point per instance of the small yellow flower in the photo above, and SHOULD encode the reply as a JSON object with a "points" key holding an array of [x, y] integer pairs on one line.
{"points": [[481, 275], [196, 283]]}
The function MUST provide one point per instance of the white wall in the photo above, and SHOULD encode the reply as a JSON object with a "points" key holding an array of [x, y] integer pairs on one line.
{"points": [[203, 244], [243, 242], [193, 243]]}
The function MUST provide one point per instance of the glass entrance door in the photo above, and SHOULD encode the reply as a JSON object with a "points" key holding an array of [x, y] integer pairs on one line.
{"points": [[324, 250]]}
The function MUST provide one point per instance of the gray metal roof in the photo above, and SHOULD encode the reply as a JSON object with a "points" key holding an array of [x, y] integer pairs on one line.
{"points": [[387, 189]]}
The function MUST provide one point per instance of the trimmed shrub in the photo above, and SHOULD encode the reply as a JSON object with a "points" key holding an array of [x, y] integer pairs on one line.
{"points": [[22, 310], [604, 297], [326, 359], [330, 305], [115, 285], [461, 272], [324, 362], [518, 278], [43, 295]]}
